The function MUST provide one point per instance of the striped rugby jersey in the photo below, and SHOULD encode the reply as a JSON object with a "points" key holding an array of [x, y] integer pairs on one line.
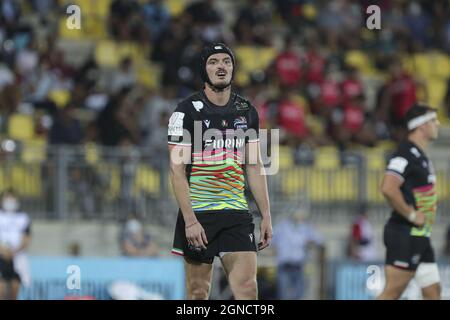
{"points": [[217, 136]]}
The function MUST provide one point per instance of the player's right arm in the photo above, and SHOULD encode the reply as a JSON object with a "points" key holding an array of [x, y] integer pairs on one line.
{"points": [[390, 188], [180, 131], [195, 233]]}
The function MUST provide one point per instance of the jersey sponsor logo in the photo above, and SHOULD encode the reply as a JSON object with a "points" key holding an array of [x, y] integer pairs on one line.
{"points": [[198, 105], [176, 124], [240, 123], [398, 164], [207, 122], [224, 123], [225, 143], [251, 237], [415, 259]]}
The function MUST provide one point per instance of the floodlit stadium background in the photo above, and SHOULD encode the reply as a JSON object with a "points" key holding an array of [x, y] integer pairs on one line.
{"points": [[80, 170]]}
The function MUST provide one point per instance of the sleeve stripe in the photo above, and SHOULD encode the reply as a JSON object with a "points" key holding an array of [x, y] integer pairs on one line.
{"points": [[395, 174], [180, 144]]}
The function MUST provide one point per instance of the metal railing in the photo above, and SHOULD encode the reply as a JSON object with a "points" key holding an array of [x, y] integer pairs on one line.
{"points": [[92, 182]]}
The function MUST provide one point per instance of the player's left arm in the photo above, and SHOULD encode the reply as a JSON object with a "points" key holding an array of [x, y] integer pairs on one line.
{"points": [[257, 182]]}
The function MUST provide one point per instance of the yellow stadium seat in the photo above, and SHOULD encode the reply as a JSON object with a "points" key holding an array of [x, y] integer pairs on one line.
{"points": [[318, 186], [149, 75], [375, 158], [175, 7], [250, 59], [286, 159], [309, 11], [101, 8], [92, 153], [442, 185], [344, 185], [327, 158], [359, 60], [436, 91], [26, 180], [59, 97], [373, 182], [21, 127], [71, 34], [3, 179], [147, 180], [106, 53], [294, 181], [34, 151], [109, 53]]}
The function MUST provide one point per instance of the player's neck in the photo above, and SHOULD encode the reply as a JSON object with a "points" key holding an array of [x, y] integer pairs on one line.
{"points": [[419, 141], [219, 98]]}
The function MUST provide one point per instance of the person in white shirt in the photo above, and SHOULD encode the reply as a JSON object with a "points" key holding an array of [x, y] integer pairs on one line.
{"points": [[15, 237], [291, 241]]}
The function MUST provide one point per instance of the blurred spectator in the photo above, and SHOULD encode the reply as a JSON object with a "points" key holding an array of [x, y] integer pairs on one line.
{"points": [[156, 17], [15, 237], [203, 12], [66, 128], [156, 144], [126, 21], [351, 86], [267, 289], [74, 249], [351, 124], [315, 62], [10, 13], [288, 66], [252, 26], [362, 238], [418, 23], [330, 96], [292, 237], [258, 94], [134, 241], [205, 19], [291, 114], [117, 121], [124, 77], [399, 94]]}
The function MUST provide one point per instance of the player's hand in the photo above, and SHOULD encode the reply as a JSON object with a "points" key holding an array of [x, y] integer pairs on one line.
{"points": [[196, 236], [266, 233], [420, 219]]}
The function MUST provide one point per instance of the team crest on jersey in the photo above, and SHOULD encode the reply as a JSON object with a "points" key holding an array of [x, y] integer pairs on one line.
{"points": [[241, 105], [198, 105], [224, 123], [240, 123]]}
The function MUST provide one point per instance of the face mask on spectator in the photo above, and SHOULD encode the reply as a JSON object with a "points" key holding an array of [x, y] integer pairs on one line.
{"points": [[10, 204]]}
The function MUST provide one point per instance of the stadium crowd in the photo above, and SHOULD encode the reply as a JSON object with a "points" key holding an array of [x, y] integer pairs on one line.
{"points": [[328, 80]]}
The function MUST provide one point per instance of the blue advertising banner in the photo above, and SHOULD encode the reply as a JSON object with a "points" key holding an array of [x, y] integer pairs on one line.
{"points": [[94, 278], [363, 281]]}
